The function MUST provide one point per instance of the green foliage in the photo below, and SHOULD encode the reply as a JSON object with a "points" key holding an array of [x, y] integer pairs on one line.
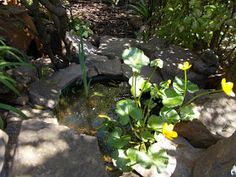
{"points": [[133, 136], [194, 21], [83, 65], [80, 27], [5, 79], [148, 10]]}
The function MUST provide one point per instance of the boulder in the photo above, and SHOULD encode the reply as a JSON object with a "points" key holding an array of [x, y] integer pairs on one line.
{"points": [[46, 93], [3, 144], [217, 112], [196, 133], [101, 65], [182, 158], [218, 160], [49, 150], [112, 46], [19, 29]]}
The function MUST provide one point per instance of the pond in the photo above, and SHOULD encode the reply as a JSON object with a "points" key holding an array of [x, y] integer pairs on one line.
{"points": [[82, 113]]}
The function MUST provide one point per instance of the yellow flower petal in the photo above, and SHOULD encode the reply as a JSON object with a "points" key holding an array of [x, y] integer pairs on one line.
{"points": [[227, 87], [167, 131], [184, 66]]}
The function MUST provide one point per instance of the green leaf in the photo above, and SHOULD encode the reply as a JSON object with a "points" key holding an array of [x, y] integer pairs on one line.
{"points": [[159, 156], [115, 140], [170, 115], [178, 85], [135, 58], [165, 84], [172, 99], [157, 63], [13, 109], [120, 160], [123, 109], [138, 85], [9, 83], [155, 122], [191, 87], [146, 136], [188, 112], [136, 114]]}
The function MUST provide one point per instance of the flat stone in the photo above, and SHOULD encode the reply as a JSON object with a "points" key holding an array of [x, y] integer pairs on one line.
{"points": [[46, 92], [3, 143], [217, 112], [219, 160], [67, 76], [112, 46], [182, 157], [49, 150], [103, 66]]}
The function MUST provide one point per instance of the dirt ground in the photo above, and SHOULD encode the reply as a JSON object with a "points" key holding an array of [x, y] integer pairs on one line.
{"points": [[105, 19]]}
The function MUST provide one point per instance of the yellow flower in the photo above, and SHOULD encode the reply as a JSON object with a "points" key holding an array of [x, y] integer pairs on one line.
{"points": [[184, 66], [167, 131], [227, 87]]}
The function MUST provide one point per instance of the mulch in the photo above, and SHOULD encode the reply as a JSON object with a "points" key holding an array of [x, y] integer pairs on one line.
{"points": [[105, 19]]}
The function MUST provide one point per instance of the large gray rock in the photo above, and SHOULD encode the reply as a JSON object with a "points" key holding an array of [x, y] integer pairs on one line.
{"points": [[218, 161], [3, 143], [203, 66], [101, 65], [182, 158], [49, 150], [46, 92], [218, 113], [112, 46]]}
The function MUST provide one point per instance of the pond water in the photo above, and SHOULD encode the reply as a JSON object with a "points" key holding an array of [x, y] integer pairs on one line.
{"points": [[81, 113], [77, 111]]}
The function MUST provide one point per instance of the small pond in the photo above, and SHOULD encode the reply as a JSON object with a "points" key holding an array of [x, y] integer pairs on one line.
{"points": [[81, 113]]}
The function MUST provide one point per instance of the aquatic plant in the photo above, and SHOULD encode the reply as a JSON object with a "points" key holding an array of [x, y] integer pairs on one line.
{"points": [[135, 135]]}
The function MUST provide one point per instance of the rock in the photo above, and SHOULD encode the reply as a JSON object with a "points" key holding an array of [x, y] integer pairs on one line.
{"points": [[24, 75], [46, 93], [32, 113], [217, 112], [182, 157], [49, 150], [112, 46], [19, 29], [153, 45], [208, 63], [196, 133], [218, 160], [101, 65], [3, 143], [75, 42]]}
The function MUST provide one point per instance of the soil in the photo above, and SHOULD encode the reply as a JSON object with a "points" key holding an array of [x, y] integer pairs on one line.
{"points": [[105, 19]]}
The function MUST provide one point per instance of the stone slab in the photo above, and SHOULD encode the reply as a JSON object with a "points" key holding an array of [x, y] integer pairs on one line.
{"points": [[112, 46], [101, 65], [49, 150], [46, 92]]}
